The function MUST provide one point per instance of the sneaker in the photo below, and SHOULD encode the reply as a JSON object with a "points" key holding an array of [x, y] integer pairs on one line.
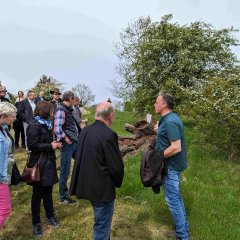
{"points": [[37, 230], [53, 222], [68, 200]]}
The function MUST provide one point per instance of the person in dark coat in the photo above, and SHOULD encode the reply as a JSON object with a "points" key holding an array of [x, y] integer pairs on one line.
{"points": [[76, 110], [55, 98], [42, 147], [40, 98], [67, 131], [18, 124], [25, 112], [98, 169]]}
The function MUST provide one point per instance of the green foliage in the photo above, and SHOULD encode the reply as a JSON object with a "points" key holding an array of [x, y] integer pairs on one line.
{"points": [[192, 62], [46, 84], [163, 56], [217, 111], [210, 189]]}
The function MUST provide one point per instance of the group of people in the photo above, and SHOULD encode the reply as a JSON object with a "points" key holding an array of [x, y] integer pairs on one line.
{"points": [[98, 166]]}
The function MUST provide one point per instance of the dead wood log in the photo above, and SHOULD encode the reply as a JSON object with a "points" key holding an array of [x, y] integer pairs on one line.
{"points": [[143, 136]]}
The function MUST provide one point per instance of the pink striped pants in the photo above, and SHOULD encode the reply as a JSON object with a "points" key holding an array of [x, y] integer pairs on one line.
{"points": [[5, 203]]}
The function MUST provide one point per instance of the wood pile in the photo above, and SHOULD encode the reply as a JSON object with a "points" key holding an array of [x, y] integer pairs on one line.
{"points": [[143, 136]]}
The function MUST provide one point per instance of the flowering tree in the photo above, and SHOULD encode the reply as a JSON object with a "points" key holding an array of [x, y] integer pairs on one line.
{"points": [[154, 56], [46, 84], [217, 113]]}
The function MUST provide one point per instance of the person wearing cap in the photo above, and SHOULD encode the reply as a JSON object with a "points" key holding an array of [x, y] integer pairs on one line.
{"points": [[3, 92], [55, 100]]}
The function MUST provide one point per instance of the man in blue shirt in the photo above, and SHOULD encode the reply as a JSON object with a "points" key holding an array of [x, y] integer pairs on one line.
{"points": [[170, 139]]}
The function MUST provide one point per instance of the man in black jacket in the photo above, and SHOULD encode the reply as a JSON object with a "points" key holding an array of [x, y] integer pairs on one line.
{"points": [[40, 98], [25, 112], [98, 169]]}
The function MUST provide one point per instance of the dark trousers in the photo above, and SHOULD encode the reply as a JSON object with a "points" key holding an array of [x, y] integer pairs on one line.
{"points": [[18, 129], [38, 194]]}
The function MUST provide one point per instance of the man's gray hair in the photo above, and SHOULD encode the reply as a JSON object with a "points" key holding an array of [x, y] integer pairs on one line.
{"points": [[7, 109], [104, 110], [67, 96]]}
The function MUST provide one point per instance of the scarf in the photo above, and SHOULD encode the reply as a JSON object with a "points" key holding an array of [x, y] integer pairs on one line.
{"points": [[45, 122]]}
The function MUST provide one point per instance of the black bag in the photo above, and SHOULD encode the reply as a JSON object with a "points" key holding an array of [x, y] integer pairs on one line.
{"points": [[16, 176]]}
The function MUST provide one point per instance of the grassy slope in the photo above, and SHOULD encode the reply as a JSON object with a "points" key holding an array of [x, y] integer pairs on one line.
{"points": [[210, 188]]}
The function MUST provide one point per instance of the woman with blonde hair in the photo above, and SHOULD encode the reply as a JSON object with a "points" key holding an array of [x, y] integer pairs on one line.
{"points": [[7, 116]]}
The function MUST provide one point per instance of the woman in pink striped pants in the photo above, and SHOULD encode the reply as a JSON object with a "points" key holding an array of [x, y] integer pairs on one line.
{"points": [[7, 117]]}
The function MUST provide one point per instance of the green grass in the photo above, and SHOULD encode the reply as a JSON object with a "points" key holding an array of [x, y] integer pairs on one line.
{"points": [[210, 189]]}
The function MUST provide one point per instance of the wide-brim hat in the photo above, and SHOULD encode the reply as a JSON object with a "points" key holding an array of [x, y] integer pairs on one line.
{"points": [[55, 90]]}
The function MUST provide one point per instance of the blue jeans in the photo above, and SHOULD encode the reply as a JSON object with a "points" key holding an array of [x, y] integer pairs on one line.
{"points": [[66, 153], [103, 213], [171, 186]]}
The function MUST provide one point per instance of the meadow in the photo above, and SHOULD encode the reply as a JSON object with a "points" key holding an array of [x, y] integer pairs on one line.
{"points": [[210, 189]]}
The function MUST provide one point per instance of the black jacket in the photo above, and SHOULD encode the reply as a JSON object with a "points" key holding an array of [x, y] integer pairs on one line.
{"points": [[55, 105], [39, 99], [25, 112], [98, 166], [153, 168], [39, 140], [3, 99]]}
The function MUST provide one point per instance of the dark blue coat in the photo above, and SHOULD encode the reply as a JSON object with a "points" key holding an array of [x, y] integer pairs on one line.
{"points": [[25, 112]]}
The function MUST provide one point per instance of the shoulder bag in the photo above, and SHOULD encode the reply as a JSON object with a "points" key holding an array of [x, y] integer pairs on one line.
{"points": [[30, 175]]}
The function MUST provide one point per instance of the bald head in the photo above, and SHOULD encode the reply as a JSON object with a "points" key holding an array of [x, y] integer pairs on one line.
{"points": [[104, 112], [42, 94]]}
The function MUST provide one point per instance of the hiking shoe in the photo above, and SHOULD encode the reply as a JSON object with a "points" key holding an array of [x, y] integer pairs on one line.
{"points": [[37, 230], [53, 222], [68, 200]]}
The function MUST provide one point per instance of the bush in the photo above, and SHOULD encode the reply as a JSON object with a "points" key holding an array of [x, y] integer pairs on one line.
{"points": [[217, 111]]}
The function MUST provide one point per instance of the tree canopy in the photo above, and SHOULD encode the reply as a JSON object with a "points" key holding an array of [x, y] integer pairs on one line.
{"points": [[84, 93], [46, 84], [164, 56]]}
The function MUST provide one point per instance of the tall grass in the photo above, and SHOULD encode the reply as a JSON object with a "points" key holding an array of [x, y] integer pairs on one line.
{"points": [[210, 189]]}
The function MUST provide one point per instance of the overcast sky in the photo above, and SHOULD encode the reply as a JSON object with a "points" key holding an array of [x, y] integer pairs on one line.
{"points": [[73, 40]]}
